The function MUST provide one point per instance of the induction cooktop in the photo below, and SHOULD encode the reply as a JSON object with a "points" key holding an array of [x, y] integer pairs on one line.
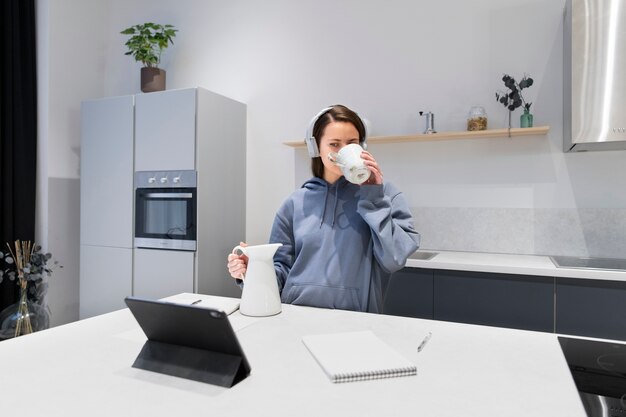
{"points": [[599, 371], [613, 264]]}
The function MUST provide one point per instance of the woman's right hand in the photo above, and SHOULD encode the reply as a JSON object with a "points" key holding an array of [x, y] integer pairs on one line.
{"points": [[237, 264]]}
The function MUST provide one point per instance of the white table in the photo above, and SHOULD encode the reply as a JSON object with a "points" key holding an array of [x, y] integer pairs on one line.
{"points": [[84, 368]]}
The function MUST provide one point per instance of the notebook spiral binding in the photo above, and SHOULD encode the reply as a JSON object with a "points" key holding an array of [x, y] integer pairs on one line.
{"points": [[365, 376]]}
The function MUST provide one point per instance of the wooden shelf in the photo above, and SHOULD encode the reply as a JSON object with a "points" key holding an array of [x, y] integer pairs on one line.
{"points": [[459, 135]]}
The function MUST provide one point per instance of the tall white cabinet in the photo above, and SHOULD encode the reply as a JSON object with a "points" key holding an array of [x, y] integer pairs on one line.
{"points": [[106, 204], [186, 129]]}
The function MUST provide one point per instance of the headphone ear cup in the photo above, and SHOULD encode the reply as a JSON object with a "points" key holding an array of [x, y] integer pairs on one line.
{"points": [[366, 128], [312, 147], [309, 139]]}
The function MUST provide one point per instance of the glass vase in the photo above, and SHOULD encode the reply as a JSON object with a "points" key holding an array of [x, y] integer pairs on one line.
{"points": [[526, 119], [23, 317]]}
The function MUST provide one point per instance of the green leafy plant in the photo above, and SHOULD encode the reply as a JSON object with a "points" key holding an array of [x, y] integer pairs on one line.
{"points": [[148, 41], [513, 98]]}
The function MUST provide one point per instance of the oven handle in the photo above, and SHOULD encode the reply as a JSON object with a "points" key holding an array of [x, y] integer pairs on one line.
{"points": [[169, 195]]}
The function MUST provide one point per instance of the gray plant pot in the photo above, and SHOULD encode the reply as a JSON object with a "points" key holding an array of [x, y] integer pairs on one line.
{"points": [[152, 79]]}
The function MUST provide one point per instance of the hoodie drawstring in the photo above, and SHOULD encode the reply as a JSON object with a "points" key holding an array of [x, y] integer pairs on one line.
{"points": [[335, 206], [334, 212], [324, 206]]}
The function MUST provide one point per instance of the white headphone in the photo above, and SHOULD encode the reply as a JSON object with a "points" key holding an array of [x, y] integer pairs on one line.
{"points": [[310, 141]]}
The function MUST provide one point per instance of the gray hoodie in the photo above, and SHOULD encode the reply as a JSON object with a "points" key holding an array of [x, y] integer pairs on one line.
{"points": [[341, 242]]}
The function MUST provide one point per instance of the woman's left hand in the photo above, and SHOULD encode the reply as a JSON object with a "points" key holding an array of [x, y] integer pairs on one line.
{"points": [[376, 176]]}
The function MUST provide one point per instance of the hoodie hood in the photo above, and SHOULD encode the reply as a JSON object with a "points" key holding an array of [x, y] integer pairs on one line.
{"points": [[331, 192]]}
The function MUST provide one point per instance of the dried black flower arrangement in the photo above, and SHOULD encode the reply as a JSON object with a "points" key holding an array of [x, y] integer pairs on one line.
{"points": [[514, 99]]}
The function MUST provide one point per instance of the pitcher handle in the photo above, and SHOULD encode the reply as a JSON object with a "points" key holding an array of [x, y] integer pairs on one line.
{"points": [[234, 251]]}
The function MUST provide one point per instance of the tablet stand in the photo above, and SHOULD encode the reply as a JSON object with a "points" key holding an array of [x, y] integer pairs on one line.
{"points": [[191, 363]]}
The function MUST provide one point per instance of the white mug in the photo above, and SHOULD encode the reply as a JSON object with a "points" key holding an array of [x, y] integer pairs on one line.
{"points": [[352, 165]]}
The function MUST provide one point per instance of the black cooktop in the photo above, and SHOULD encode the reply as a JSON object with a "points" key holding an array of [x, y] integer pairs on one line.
{"points": [[597, 367], [613, 264]]}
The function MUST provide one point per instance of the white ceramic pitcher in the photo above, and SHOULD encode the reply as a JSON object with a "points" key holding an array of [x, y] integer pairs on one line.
{"points": [[260, 295]]}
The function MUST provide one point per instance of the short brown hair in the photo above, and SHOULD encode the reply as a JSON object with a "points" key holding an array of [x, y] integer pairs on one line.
{"points": [[337, 113]]}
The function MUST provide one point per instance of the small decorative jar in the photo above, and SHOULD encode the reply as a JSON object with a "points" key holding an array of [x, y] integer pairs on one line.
{"points": [[526, 119], [477, 119]]}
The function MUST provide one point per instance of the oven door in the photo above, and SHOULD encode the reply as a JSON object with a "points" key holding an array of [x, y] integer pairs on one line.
{"points": [[165, 218]]}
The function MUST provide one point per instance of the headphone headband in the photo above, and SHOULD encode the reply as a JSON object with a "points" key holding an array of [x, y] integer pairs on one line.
{"points": [[310, 141]]}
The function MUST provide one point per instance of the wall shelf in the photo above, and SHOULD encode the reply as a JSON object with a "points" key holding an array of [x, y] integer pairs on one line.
{"points": [[458, 135]]}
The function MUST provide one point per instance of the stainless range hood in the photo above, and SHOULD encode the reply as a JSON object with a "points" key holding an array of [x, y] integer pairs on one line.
{"points": [[594, 75]]}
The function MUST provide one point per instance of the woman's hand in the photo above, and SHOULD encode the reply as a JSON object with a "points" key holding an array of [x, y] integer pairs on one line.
{"points": [[237, 264], [376, 176]]}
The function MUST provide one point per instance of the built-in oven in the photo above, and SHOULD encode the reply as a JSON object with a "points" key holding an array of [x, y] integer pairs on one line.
{"points": [[165, 209]]}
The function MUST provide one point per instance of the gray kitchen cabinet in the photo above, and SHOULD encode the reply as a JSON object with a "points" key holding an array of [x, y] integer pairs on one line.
{"points": [[155, 270], [594, 308], [106, 275], [106, 171], [187, 129], [165, 130], [106, 204], [515, 301], [194, 129], [573, 306], [410, 293]]}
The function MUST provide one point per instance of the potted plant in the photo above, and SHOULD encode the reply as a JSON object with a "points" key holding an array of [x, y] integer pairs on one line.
{"points": [[514, 98], [146, 43]]}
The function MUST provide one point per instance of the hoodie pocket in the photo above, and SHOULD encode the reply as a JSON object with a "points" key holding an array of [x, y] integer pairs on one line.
{"points": [[317, 295]]}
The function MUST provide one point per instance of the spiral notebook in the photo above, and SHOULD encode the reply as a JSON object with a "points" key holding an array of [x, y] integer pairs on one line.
{"points": [[357, 356]]}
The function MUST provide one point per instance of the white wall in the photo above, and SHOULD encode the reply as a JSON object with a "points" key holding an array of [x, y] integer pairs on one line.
{"points": [[70, 60], [387, 60]]}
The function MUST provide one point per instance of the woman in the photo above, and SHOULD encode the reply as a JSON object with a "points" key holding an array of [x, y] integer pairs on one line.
{"points": [[341, 241]]}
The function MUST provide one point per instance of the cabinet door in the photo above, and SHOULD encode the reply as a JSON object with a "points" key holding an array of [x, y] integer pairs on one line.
{"points": [[105, 279], [591, 308], [106, 172], [516, 301], [410, 293], [165, 130], [161, 273]]}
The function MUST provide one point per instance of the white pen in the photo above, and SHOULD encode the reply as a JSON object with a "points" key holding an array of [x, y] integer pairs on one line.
{"points": [[426, 339]]}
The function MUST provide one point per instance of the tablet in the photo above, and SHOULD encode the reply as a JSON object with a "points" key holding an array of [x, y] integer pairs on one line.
{"points": [[188, 341]]}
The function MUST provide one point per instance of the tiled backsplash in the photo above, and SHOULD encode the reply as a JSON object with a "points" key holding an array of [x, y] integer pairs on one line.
{"points": [[570, 232]]}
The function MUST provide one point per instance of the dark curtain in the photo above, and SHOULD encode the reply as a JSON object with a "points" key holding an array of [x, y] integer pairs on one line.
{"points": [[18, 128]]}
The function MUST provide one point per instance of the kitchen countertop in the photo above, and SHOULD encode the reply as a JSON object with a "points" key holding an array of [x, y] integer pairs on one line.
{"points": [[85, 368], [509, 264]]}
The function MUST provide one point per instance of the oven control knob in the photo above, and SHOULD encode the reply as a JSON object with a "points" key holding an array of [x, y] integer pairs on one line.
{"points": [[151, 180], [176, 180], [163, 180]]}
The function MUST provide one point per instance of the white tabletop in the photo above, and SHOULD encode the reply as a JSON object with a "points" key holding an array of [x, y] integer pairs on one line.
{"points": [[510, 264], [84, 368]]}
